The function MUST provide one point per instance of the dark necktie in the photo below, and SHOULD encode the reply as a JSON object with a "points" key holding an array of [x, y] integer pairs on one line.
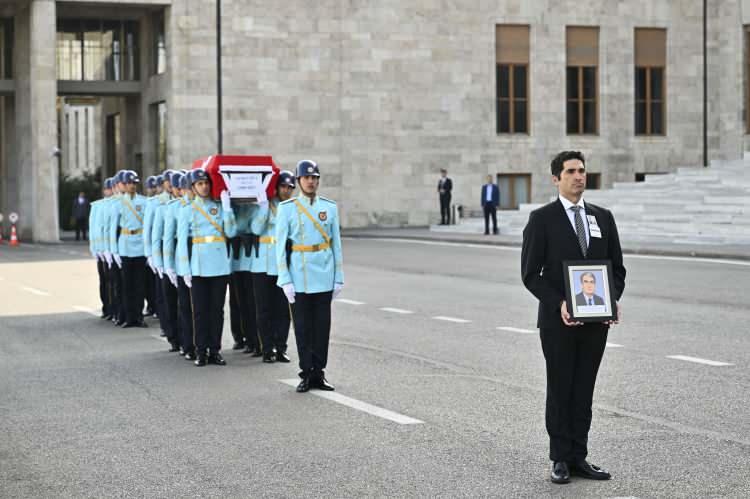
{"points": [[580, 229], [591, 301]]}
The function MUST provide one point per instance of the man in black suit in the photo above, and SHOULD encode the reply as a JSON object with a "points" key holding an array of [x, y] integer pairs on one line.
{"points": [[569, 229], [490, 201], [588, 295], [81, 208], [445, 186]]}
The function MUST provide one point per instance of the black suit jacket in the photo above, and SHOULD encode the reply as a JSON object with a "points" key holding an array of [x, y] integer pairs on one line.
{"points": [[448, 187], [548, 240], [581, 300]]}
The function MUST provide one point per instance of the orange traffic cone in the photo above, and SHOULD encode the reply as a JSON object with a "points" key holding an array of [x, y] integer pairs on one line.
{"points": [[13, 236]]}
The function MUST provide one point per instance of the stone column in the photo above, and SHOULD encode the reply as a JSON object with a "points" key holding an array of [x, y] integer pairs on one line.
{"points": [[36, 121]]}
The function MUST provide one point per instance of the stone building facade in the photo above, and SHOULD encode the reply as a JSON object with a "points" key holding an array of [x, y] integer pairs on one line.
{"points": [[382, 94]]}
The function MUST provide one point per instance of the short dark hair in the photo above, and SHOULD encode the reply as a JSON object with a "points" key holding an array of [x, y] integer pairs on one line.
{"points": [[588, 273], [556, 167], [443, 170]]}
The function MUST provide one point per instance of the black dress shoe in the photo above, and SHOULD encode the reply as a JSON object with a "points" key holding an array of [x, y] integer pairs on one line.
{"points": [[174, 347], [257, 352], [282, 357], [119, 322], [182, 352], [304, 385], [216, 359], [189, 355], [200, 361], [269, 358], [238, 345], [134, 324], [162, 334], [321, 384], [585, 469], [560, 473]]}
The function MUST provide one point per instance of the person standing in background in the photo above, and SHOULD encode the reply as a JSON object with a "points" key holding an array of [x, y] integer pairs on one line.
{"points": [[80, 212], [490, 201], [445, 186]]}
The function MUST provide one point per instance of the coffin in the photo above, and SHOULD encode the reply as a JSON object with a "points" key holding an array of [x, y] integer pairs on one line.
{"points": [[248, 179]]}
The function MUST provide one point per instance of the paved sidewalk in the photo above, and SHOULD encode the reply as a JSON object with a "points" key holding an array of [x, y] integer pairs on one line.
{"points": [[739, 252]]}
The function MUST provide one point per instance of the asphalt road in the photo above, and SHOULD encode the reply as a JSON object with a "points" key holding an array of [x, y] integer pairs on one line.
{"points": [[90, 410]]}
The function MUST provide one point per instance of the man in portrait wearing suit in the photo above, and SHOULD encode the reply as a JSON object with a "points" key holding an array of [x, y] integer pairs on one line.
{"points": [[588, 295], [569, 229], [445, 186], [490, 201]]}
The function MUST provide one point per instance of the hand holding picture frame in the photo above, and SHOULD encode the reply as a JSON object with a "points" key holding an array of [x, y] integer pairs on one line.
{"points": [[589, 291]]}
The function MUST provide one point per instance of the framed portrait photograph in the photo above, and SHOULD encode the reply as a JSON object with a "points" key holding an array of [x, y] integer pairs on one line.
{"points": [[589, 291]]}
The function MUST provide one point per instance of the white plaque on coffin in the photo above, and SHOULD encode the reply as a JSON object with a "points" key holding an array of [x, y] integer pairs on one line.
{"points": [[247, 184]]}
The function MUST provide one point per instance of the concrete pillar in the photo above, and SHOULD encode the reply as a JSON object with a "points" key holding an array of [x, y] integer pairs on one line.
{"points": [[36, 121]]}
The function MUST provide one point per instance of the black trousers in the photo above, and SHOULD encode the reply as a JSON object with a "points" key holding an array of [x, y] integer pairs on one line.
{"points": [[117, 307], [445, 209], [104, 291], [168, 318], [150, 288], [209, 295], [312, 329], [273, 313], [490, 211], [185, 320], [82, 227], [242, 309], [133, 287], [572, 356]]}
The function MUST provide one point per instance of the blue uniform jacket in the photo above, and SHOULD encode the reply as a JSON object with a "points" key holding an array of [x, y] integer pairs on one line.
{"points": [[128, 215], [263, 224], [148, 221], [209, 226], [170, 247], [310, 271], [94, 228], [157, 229], [243, 213]]}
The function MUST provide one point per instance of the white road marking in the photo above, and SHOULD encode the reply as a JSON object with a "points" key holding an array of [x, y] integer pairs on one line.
{"points": [[396, 310], [516, 330], [613, 345], [451, 319], [35, 291], [698, 360], [690, 259], [349, 302], [358, 405], [88, 310]]}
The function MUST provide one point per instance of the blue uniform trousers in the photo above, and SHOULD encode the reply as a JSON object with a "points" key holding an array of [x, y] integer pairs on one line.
{"points": [[133, 287], [312, 329], [115, 288], [185, 315], [101, 268], [209, 294], [273, 313], [168, 311], [242, 314]]}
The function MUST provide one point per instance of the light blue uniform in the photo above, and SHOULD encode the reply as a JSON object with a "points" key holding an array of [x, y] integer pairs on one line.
{"points": [[148, 222], [157, 229], [209, 252], [243, 214], [105, 221], [170, 247], [263, 224], [128, 213], [310, 271], [95, 234]]}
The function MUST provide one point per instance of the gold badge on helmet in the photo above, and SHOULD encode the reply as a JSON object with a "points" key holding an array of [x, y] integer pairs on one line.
{"points": [[214, 211], [323, 216]]}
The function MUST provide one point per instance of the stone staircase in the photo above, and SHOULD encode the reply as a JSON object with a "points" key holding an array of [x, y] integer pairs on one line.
{"points": [[704, 206]]}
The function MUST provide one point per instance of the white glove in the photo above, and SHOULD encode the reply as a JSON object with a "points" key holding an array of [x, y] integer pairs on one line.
{"points": [[117, 259], [150, 263], [108, 259], [226, 203], [188, 280], [160, 271], [172, 276], [337, 289], [262, 198], [289, 292]]}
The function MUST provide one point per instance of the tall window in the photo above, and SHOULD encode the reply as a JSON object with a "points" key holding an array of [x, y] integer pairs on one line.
{"points": [[581, 78], [160, 44], [160, 111], [94, 49], [515, 188], [512, 73], [650, 81], [6, 48]]}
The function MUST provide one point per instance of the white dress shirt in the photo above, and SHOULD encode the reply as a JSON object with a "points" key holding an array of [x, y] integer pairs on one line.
{"points": [[488, 192], [571, 215]]}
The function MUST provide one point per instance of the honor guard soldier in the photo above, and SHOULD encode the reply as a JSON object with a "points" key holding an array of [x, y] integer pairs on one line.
{"points": [[205, 226], [152, 299], [313, 274], [96, 247], [175, 266], [242, 309], [126, 237], [273, 309], [113, 260]]}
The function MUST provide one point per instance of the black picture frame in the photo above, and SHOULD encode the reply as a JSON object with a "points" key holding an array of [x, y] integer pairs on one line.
{"points": [[601, 306]]}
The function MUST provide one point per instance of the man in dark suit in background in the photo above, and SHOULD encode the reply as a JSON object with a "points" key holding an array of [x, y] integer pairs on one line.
{"points": [[490, 201], [588, 295], [569, 229], [445, 186], [80, 213]]}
